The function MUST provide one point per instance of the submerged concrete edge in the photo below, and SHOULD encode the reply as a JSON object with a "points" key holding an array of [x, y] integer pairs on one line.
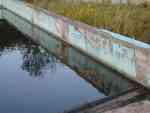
{"points": [[128, 56]]}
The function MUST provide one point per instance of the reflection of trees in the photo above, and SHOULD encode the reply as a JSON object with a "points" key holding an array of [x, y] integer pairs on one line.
{"points": [[35, 59]]}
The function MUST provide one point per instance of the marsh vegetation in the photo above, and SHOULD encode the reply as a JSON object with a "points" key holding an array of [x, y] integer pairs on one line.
{"points": [[130, 20]]}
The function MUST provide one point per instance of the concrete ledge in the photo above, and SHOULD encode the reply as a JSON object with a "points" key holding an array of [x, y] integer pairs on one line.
{"points": [[0, 13], [138, 107], [0, 9], [127, 56]]}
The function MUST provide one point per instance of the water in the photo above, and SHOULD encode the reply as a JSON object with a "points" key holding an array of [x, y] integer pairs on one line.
{"points": [[35, 81]]}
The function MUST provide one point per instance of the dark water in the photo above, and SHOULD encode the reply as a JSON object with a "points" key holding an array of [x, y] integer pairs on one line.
{"points": [[34, 81]]}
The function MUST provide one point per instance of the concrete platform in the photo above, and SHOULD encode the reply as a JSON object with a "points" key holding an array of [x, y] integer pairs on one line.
{"points": [[126, 102], [138, 107]]}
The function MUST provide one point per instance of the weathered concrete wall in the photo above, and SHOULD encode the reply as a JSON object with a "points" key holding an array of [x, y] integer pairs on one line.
{"points": [[135, 2], [88, 68], [118, 1], [0, 9], [128, 56], [0, 13]]}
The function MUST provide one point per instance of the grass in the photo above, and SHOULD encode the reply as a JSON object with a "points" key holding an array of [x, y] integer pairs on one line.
{"points": [[133, 21]]}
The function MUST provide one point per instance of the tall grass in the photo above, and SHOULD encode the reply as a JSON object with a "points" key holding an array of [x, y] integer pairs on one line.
{"points": [[130, 20]]}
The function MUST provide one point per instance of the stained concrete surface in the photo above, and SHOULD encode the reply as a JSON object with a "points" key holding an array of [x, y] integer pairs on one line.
{"points": [[138, 107]]}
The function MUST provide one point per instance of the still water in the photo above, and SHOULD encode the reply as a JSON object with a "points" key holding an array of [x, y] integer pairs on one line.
{"points": [[35, 81]]}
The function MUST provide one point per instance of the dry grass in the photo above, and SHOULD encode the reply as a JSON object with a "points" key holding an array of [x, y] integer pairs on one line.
{"points": [[133, 21]]}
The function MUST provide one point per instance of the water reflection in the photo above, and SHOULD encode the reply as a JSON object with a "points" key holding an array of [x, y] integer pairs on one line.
{"points": [[21, 61], [36, 60], [81, 79]]}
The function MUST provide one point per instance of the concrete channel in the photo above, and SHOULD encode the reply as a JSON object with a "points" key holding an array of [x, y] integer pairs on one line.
{"points": [[116, 55]]}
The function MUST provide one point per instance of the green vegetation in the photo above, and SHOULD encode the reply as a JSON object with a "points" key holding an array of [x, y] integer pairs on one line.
{"points": [[130, 20]]}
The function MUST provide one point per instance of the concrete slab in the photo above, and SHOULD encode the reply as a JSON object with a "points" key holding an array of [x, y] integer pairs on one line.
{"points": [[0, 9], [138, 107]]}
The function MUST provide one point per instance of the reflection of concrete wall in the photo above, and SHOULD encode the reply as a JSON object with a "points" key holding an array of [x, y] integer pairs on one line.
{"points": [[128, 56], [104, 79]]}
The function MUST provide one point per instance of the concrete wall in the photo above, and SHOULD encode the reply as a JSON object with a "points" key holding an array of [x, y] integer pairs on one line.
{"points": [[135, 2], [125, 55], [119, 1], [87, 68], [0, 13], [0, 9]]}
